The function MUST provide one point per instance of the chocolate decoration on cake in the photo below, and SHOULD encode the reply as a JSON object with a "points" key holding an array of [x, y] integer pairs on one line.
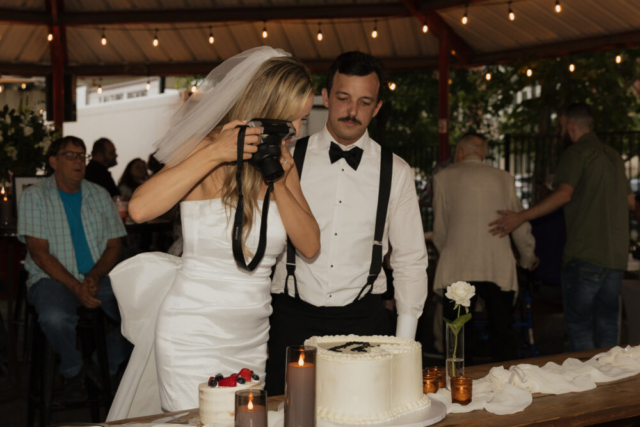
{"points": [[362, 347]]}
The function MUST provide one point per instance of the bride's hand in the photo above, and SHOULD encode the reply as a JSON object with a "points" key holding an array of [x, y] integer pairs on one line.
{"points": [[225, 145], [286, 160]]}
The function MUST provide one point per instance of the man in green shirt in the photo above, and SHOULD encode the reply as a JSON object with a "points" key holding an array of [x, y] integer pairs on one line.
{"points": [[592, 186]]}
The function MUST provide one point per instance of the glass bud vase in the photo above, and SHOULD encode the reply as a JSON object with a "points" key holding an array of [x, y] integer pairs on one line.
{"points": [[455, 354]]}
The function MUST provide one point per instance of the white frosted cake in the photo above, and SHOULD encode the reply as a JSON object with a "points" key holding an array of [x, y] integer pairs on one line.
{"points": [[217, 397], [366, 380]]}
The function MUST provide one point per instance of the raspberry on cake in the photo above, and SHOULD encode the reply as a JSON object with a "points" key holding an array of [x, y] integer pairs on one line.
{"points": [[217, 396]]}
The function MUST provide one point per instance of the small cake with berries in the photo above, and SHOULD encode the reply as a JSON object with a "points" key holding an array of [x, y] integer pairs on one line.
{"points": [[217, 396]]}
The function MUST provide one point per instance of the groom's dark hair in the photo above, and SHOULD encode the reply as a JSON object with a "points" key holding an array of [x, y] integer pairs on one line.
{"points": [[356, 63]]}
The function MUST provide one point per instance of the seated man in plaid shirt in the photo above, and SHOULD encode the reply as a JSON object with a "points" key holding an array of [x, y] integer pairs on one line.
{"points": [[72, 230]]}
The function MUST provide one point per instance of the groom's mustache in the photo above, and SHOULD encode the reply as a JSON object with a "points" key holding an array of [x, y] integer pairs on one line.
{"points": [[349, 119]]}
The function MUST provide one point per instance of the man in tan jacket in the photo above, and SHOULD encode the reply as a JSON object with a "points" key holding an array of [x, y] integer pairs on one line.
{"points": [[466, 197]]}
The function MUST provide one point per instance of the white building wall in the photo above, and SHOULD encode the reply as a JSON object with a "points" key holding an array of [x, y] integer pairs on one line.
{"points": [[133, 125]]}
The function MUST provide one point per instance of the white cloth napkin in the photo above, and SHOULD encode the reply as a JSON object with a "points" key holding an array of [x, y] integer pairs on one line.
{"points": [[505, 391]]}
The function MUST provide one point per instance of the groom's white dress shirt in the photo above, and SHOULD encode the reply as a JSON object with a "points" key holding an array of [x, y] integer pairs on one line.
{"points": [[344, 202]]}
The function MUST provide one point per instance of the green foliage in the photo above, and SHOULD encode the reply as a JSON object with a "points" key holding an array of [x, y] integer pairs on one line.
{"points": [[24, 140], [457, 324]]}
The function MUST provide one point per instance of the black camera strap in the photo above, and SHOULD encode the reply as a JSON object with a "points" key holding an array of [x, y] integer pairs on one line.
{"points": [[238, 254]]}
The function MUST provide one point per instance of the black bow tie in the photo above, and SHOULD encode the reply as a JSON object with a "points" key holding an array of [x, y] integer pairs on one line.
{"points": [[352, 156]]}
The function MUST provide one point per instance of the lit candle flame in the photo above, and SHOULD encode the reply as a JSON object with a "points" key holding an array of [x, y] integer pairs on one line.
{"points": [[5, 199], [301, 360], [250, 405]]}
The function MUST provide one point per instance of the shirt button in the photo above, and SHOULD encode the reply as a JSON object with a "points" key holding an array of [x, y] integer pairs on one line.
{"points": [[330, 296], [342, 170], [331, 265], [340, 201], [335, 234]]}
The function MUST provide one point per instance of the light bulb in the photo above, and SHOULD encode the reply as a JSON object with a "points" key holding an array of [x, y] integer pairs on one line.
{"points": [[558, 7], [529, 72], [618, 59], [41, 111], [264, 31], [50, 37], [392, 86], [374, 33], [103, 41], [100, 89], [194, 88], [512, 16], [156, 42], [23, 85], [319, 35], [1, 88], [148, 85], [425, 28], [488, 76], [211, 38], [572, 67], [465, 19]]}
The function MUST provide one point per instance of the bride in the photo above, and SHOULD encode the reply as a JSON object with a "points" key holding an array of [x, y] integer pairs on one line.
{"points": [[193, 317]]}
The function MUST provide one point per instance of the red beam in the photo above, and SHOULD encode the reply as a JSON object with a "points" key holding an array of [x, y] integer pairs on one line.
{"points": [[443, 97], [58, 61]]}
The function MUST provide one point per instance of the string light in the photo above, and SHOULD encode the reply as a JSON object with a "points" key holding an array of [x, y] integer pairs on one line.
{"points": [[156, 42], [211, 38], [465, 17], [572, 68], [41, 111], [100, 87], [392, 86], [264, 31], [487, 76], [512, 16], [1, 88], [104, 39], [194, 88], [558, 7], [618, 59], [23, 85], [529, 72], [425, 28], [50, 37], [319, 32], [148, 85], [374, 33]]}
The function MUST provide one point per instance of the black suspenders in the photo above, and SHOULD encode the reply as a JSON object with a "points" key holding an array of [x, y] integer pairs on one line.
{"points": [[386, 169]]}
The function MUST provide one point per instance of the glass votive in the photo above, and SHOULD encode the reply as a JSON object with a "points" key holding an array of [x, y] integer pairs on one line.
{"points": [[440, 372], [461, 390], [300, 387], [429, 383], [251, 408]]}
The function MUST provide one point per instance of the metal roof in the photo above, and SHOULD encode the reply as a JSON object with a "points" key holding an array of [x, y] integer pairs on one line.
{"points": [[183, 31]]}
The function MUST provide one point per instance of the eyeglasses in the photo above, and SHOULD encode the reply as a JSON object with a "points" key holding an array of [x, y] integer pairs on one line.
{"points": [[73, 155]]}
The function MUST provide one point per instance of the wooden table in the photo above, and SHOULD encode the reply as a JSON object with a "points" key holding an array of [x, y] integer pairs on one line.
{"points": [[615, 403]]}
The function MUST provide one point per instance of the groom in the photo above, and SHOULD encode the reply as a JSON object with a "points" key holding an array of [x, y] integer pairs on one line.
{"points": [[365, 201]]}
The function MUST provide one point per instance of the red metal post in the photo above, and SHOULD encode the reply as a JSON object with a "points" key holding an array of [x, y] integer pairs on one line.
{"points": [[58, 60], [443, 94]]}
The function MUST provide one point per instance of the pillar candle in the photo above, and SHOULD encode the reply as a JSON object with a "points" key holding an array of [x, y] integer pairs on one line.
{"points": [[300, 391], [251, 417]]}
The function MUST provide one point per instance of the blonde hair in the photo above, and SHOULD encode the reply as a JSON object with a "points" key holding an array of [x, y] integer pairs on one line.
{"points": [[279, 90]]}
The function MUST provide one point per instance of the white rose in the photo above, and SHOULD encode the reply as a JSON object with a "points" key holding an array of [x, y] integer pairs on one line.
{"points": [[28, 130], [461, 293]]}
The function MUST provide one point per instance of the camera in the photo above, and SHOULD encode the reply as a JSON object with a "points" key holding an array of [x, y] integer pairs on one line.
{"points": [[267, 158]]}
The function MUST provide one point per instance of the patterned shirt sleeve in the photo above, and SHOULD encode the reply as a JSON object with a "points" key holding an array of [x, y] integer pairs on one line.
{"points": [[31, 220]]}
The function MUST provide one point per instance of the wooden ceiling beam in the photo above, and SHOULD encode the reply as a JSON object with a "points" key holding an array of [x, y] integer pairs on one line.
{"points": [[605, 42], [203, 68], [18, 16], [438, 27], [436, 5], [278, 13]]}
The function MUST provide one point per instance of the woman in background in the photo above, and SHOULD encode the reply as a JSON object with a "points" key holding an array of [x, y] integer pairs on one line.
{"points": [[134, 174]]}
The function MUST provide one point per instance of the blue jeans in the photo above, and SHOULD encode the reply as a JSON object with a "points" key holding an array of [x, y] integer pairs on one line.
{"points": [[590, 297], [57, 315]]}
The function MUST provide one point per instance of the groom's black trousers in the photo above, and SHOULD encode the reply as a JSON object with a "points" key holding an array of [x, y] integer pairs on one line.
{"points": [[294, 321]]}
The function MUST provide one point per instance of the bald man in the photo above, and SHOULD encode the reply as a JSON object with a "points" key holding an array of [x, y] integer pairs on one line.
{"points": [[467, 195]]}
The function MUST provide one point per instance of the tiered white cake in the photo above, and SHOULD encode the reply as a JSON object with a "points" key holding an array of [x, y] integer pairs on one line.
{"points": [[217, 404], [370, 379]]}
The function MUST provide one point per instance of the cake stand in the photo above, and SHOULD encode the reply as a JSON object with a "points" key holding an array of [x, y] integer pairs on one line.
{"points": [[424, 417]]}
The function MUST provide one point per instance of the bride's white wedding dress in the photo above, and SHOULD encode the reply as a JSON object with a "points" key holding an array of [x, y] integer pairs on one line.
{"points": [[193, 317]]}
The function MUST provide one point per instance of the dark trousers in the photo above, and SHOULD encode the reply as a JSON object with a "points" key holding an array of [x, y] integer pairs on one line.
{"points": [[294, 321], [499, 305], [57, 314]]}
